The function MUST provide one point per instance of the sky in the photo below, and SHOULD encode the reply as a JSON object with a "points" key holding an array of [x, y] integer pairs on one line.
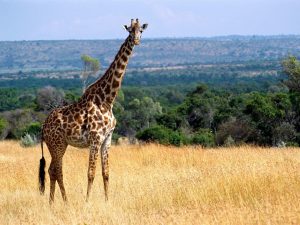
{"points": [[97, 19]]}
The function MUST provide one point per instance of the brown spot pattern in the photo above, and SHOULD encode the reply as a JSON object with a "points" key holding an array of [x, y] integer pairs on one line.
{"points": [[115, 84]]}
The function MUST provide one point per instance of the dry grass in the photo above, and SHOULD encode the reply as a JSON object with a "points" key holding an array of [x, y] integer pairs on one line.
{"points": [[157, 185]]}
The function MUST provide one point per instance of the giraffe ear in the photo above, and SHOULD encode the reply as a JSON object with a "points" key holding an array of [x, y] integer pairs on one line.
{"points": [[145, 25], [126, 27]]}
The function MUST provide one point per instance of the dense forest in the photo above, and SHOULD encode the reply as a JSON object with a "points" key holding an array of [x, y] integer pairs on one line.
{"points": [[217, 91], [177, 114]]}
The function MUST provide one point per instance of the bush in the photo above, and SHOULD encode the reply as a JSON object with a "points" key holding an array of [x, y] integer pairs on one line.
{"points": [[154, 134], [115, 138], [284, 132], [204, 137], [48, 98], [175, 138], [238, 130], [161, 135], [229, 141], [28, 140], [3, 128], [18, 120], [292, 144], [33, 129]]}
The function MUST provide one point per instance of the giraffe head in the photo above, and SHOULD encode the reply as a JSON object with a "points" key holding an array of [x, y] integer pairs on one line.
{"points": [[135, 30]]}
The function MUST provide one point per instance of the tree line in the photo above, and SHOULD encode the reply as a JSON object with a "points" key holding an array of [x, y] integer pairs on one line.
{"points": [[197, 114]]}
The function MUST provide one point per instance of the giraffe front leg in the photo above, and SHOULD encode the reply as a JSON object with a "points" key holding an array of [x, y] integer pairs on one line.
{"points": [[104, 161], [94, 153]]}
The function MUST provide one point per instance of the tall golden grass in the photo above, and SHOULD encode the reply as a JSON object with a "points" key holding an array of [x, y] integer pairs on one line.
{"points": [[154, 184]]}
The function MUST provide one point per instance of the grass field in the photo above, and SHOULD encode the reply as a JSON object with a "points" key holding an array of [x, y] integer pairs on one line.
{"points": [[157, 185]]}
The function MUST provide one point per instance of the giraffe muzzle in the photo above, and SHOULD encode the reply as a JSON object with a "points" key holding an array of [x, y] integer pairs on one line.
{"points": [[136, 41]]}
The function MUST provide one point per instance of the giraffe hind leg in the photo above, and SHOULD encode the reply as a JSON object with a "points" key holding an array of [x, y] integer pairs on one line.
{"points": [[56, 174], [60, 181], [55, 169], [52, 175]]}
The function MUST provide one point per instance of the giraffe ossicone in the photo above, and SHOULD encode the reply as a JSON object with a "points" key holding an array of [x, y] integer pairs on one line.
{"points": [[89, 122]]}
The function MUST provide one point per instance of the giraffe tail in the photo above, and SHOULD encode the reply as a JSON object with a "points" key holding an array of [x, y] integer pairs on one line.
{"points": [[42, 170]]}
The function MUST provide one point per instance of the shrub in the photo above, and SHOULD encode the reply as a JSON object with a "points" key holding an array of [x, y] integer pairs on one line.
{"points": [[239, 130], [48, 98], [229, 141], [3, 128], [33, 129], [204, 137], [115, 138], [175, 138], [28, 140], [161, 135], [292, 144], [18, 120], [284, 132], [153, 134]]}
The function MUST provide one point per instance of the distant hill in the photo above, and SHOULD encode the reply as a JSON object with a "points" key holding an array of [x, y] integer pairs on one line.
{"points": [[65, 55]]}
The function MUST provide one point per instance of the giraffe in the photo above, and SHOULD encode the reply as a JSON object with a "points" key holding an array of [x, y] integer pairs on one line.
{"points": [[89, 122]]}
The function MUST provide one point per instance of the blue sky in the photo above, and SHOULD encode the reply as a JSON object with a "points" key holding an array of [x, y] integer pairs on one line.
{"points": [[97, 19]]}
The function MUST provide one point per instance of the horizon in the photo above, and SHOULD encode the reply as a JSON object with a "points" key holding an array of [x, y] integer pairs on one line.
{"points": [[176, 38], [98, 20]]}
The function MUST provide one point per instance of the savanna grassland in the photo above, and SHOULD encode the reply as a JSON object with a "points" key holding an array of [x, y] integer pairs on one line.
{"points": [[153, 184]]}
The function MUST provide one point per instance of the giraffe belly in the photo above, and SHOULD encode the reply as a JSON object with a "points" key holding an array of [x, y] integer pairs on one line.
{"points": [[78, 141]]}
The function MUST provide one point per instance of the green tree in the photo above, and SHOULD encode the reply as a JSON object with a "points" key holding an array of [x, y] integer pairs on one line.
{"points": [[138, 114], [291, 67], [199, 108], [170, 120], [267, 112], [90, 67]]}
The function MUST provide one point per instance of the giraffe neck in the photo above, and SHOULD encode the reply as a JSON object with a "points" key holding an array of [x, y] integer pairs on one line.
{"points": [[105, 89]]}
